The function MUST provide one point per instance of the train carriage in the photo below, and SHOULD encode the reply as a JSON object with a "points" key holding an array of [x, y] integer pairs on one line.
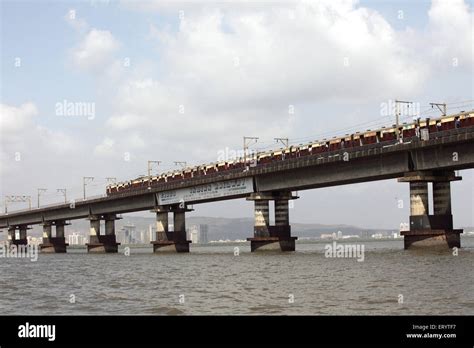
{"points": [[408, 131], [221, 166], [467, 119], [316, 148], [388, 134], [305, 150], [356, 140], [431, 125], [369, 137], [447, 123], [187, 173], [277, 155], [346, 142], [210, 169], [264, 158], [335, 144]]}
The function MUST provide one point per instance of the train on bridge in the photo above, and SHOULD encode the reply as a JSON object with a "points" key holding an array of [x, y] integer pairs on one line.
{"points": [[387, 136]]}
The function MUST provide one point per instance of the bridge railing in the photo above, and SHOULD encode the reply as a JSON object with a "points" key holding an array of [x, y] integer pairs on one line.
{"points": [[58, 205]]}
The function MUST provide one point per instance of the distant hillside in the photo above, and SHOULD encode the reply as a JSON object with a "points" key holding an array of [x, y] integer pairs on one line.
{"points": [[226, 228]]}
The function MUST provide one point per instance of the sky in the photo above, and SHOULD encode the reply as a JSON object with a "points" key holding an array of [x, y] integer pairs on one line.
{"points": [[186, 80]]}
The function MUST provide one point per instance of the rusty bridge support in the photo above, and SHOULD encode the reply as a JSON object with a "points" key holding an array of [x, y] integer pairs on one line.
{"points": [[102, 243], [167, 241], [267, 237], [431, 230], [12, 237], [55, 244]]}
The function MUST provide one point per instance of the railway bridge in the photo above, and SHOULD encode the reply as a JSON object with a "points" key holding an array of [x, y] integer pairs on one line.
{"points": [[416, 163]]}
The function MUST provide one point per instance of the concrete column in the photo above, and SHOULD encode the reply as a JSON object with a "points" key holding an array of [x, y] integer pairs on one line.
{"points": [[418, 198], [162, 221], [442, 198], [162, 226], [431, 230], [179, 221], [47, 231], [59, 229], [106, 243], [94, 229], [11, 235], [268, 237], [110, 227], [52, 244], [262, 218], [167, 241], [23, 232], [282, 217]]}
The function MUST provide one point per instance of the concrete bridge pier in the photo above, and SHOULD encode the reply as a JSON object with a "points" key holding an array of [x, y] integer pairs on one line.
{"points": [[431, 230], [267, 237], [167, 241], [52, 244], [12, 238], [11, 235], [22, 240], [102, 243]]}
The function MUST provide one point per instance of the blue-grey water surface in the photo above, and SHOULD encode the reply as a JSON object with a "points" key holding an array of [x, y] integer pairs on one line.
{"points": [[214, 281]]}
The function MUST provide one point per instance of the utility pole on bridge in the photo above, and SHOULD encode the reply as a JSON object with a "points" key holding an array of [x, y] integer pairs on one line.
{"points": [[284, 141], [397, 112], [85, 180], [439, 105], [63, 191], [180, 163], [247, 142], [40, 191], [12, 199], [150, 165]]}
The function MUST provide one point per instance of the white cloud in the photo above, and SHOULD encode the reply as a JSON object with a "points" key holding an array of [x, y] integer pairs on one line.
{"points": [[14, 119], [23, 138], [106, 148], [451, 30], [96, 50], [323, 52], [78, 24], [240, 71]]}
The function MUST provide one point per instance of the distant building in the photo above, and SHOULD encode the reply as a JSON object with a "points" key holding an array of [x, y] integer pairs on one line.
{"points": [[128, 234], [203, 229], [198, 234], [339, 234], [76, 238], [151, 234], [194, 235]]}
